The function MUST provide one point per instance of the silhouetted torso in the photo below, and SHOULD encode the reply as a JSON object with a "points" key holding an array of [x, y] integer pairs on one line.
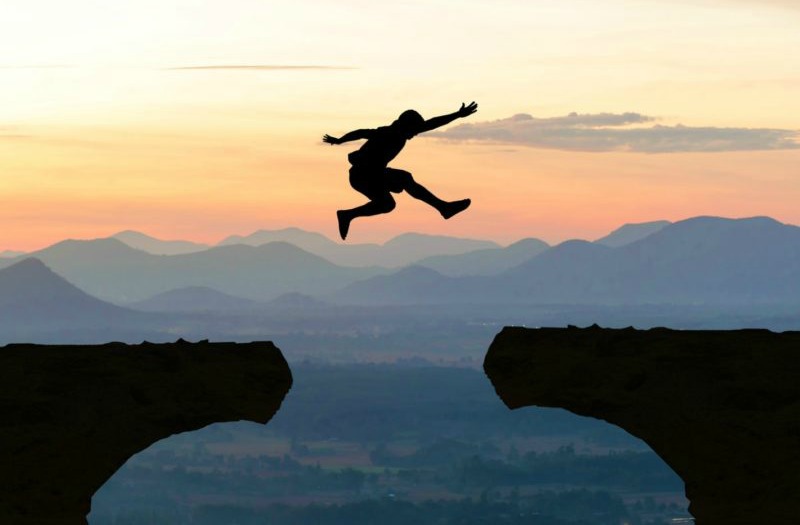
{"points": [[378, 151]]}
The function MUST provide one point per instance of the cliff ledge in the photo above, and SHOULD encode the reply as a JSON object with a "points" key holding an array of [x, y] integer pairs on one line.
{"points": [[722, 408], [72, 415]]}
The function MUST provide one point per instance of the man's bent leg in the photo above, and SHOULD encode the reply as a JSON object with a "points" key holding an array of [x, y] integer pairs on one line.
{"points": [[383, 204], [401, 180], [404, 180]]}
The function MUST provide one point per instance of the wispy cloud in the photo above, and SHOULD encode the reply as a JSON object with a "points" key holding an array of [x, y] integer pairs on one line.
{"points": [[725, 4], [788, 4], [619, 132], [12, 133], [37, 66], [258, 67]]}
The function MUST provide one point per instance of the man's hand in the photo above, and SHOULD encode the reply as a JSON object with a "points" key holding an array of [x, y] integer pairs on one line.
{"points": [[466, 111], [331, 140]]}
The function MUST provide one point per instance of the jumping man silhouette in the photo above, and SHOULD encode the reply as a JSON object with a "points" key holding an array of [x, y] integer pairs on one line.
{"points": [[371, 175]]}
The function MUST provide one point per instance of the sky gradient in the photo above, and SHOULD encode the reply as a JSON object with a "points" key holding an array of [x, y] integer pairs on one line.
{"points": [[199, 120]]}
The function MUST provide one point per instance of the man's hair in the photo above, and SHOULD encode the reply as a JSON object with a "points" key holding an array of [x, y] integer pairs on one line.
{"points": [[409, 119]]}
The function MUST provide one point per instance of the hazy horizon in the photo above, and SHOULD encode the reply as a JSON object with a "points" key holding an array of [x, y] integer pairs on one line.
{"points": [[503, 242]]}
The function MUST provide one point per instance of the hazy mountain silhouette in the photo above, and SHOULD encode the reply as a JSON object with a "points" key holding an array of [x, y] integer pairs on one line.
{"points": [[32, 296], [400, 251], [412, 247], [98, 267], [632, 232], [149, 244], [194, 299], [726, 260], [73, 254], [701, 260], [550, 271], [490, 261], [704, 260], [10, 253], [111, 270], [309, 241], [411, 285], [568, 272], [297, 301]]}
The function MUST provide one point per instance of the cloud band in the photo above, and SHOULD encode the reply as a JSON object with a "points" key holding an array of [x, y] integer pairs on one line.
{"points": [[619, 132]]}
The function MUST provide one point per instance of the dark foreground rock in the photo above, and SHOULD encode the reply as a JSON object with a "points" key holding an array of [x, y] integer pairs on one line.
{"points": [[722, 408], [70, 416]]}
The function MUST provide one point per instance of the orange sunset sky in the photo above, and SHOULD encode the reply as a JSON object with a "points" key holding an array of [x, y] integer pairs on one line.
{"points": [[197, 120]]}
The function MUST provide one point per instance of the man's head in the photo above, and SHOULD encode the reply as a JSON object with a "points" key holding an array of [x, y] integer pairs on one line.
{"points": [[409, 123]]}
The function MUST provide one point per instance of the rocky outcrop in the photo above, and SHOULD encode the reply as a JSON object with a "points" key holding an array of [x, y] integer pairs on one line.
{"points": [[70, 416], [722, 408]]}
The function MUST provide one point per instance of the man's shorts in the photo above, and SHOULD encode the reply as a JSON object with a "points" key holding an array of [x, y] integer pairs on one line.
{"points": [[376, 183]]}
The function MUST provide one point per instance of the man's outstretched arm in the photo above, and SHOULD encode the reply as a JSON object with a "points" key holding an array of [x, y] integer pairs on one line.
{"points": [[347, 137], [437, 122]]}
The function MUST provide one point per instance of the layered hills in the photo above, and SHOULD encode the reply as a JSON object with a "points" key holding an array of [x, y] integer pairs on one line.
{"points": [[488, 261], [34, 299], [149, 244], [704, 260], [113, 271], [400, 251], [700, 261], [194, 299]]}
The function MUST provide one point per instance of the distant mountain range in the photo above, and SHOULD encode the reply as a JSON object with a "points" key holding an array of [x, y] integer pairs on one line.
{"points": [[431, 250], [449, 255], [400, 251], [201, 299], [33, 296], [113, 271], [704, 260]]}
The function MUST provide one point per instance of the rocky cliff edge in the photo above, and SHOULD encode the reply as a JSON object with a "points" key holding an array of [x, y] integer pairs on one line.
{"points": [[722, 408], [73, 415]]}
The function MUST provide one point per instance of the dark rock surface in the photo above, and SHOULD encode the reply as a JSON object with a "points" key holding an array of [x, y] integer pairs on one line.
{"points": [[72, 415], [722, 408]]}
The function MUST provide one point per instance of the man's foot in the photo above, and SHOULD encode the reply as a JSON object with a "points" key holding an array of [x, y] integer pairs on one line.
{"points": [[344, 223], [452, 208]]}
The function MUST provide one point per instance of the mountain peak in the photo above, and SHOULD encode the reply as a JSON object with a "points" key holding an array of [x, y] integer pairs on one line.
{"points": [[302, 238], [33, 295], [131, 234], [27, 265], [631, 232], [142, 241], [711, 219], [106, 243], [741, 230], [31, 277], [430, 238]]}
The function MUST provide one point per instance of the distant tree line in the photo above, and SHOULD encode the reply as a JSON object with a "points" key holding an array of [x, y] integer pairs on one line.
{"points": [[470, 465], [578, 507]]}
